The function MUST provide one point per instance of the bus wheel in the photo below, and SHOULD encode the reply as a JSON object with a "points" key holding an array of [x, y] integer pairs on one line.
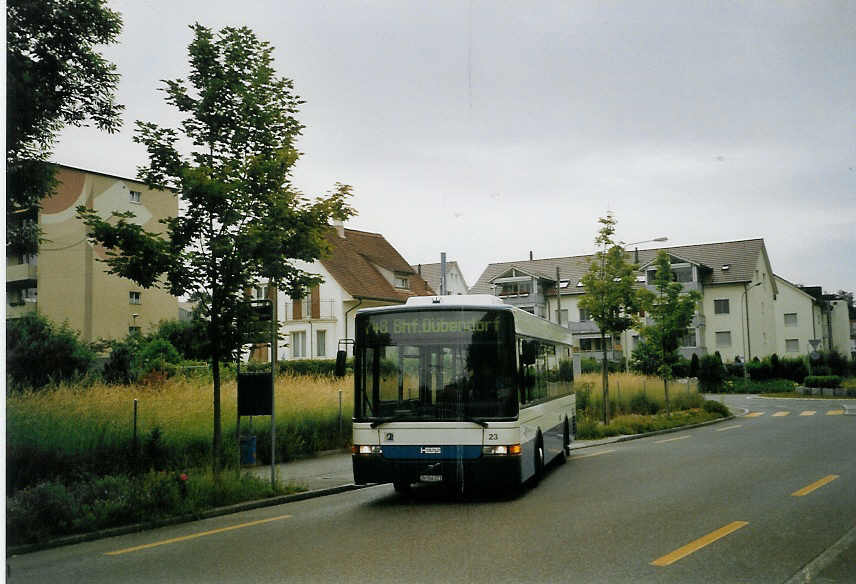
{"points": [[539, 459], [401, 487], [566, 442]]}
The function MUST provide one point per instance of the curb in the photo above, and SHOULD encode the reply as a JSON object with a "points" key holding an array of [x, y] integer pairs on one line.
{"points": [[280, 500], [628, 437], [822, 561], [145, 526]]}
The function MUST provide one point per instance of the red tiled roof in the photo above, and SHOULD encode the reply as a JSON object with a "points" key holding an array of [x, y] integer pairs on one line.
{"points": [[353, 262]]}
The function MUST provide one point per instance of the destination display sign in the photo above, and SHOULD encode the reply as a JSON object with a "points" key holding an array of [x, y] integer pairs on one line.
{"points": [[431, 324]]}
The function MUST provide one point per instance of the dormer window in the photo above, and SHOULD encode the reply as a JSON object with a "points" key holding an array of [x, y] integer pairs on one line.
{"points": [[564, 283], [402, 282], [580, 284], [726, 267]]}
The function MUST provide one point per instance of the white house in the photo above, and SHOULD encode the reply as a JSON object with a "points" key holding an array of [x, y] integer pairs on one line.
{"points": [[432, 273], [362, 270]]}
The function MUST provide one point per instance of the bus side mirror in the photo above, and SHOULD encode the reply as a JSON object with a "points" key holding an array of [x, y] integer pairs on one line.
{"points": [[341, 358]]}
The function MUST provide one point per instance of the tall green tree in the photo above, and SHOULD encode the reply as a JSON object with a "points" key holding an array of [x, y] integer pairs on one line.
{"points": [[54, 77], [670, 311], [242, 220], [610, 294]]}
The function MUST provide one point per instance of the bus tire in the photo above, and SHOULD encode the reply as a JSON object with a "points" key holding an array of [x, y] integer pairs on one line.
{"points": [[539, 459], [566, 441], [401, 487]]}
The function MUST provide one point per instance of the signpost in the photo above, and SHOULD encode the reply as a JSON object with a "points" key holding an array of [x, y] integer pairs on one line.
{"points": [[256, 396]]}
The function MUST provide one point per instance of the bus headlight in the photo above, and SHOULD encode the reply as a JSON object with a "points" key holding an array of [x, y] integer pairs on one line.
{"points": [[366, 449], [502, 450]]}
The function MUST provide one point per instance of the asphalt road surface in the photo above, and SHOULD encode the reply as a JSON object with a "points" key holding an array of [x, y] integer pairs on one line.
{"points": [[754, 499]]}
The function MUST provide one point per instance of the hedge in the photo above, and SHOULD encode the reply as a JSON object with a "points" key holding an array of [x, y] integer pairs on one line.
{"points": [[823, 381]]}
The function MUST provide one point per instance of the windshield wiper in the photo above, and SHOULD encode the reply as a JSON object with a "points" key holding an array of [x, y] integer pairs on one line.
{"points": [[461, 417], [401, 418]]}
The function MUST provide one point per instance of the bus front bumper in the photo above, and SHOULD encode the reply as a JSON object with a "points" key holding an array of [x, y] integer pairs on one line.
{"points": [[484, 472]]}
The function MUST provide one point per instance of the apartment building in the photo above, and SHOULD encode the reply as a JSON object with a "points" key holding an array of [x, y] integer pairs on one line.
{"points": [[67, 281], [742, 312]]}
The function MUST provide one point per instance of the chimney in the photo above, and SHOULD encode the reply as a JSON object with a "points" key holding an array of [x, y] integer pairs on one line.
{"points": [[340, 228], [419, 269], [531, 257]]}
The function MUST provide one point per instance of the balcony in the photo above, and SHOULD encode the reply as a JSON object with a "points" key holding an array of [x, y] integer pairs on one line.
{"points": [[23, 275], [19, 309], [300, 310]]}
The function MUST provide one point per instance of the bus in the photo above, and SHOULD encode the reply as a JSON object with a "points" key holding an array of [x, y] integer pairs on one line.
{"points": [[462, 390]]}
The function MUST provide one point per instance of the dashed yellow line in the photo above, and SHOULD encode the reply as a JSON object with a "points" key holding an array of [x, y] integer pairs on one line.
{"points": [[701, 542], [590, 455], [193, 536], [808, 413], [754, 415], [671, 439], [834, 412], [781, 414], [814, 486]]}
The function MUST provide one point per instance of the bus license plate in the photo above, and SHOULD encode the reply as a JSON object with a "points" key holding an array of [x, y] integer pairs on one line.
{"points": [[431, 478]]}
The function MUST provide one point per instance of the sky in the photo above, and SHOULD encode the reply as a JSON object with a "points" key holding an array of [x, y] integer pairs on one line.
{"points": [[489, 129]]}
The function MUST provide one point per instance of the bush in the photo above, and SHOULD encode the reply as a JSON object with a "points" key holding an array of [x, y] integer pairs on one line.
{"points": [[734, 370], [189, 337], [711, 373], [715, 407], [794, 368], [640, 403], [823, 381], [759, 370], [38, 353], [694, 365], [156, 354]]}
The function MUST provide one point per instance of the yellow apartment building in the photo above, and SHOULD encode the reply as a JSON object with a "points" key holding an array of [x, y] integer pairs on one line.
{"points": [[67, 281]]}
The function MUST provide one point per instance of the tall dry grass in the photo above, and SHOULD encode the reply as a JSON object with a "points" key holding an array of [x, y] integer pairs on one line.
{"points": [[70, 428], [623, 386]]}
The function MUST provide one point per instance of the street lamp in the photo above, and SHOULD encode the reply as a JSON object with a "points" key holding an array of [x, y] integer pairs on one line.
{"points": [[636, 250]]}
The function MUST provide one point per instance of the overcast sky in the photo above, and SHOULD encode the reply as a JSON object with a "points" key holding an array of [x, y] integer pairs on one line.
{"points": [[487, 129]]}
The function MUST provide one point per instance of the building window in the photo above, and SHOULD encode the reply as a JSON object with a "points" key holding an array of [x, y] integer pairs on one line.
{"points": [[723, 339], [594, 344], [585, 315], [321, 343], [135, 298], [135, 196], [260, 293], [298, 344], [792, 345], [562, 316], [529, 309], [402, 282], [689, 338], [721, 306], [791, 319], [515, 288], [683, 274]]}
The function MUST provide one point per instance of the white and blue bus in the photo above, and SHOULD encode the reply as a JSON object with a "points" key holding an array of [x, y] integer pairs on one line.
{"points": [[464, 390]]}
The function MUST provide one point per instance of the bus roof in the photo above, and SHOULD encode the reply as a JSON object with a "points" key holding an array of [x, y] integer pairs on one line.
{"points": [[525, 323]]}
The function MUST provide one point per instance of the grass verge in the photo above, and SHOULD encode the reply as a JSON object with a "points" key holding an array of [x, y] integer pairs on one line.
{"points": [[55, 509]]}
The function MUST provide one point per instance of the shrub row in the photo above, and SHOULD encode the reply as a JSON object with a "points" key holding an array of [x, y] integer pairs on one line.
{"points": [[823, 381]]}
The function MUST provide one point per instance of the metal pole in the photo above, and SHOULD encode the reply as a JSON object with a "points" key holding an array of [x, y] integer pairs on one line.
{"points": [[134, 445], [558, 298], [274, 335], [443, 290], [340, 412]]}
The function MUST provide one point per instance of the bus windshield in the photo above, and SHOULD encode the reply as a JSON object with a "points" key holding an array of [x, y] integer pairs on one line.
{"points": [[435, 365]]}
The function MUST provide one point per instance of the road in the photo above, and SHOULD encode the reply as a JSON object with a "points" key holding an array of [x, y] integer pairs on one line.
{"points": [[752, 499]]}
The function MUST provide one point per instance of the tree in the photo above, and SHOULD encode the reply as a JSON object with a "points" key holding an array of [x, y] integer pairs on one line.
{"points": [[54, 77], [610, 295], [243, 220], [671, 311]]}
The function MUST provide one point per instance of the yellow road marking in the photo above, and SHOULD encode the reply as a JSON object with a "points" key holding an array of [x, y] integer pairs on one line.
{"points": [[814, 486], [834, 412], [808, 413], [701, 542], [729, 428], [781, 414], [595, 454], [193, 536], [754, 415], [671, 439]]}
